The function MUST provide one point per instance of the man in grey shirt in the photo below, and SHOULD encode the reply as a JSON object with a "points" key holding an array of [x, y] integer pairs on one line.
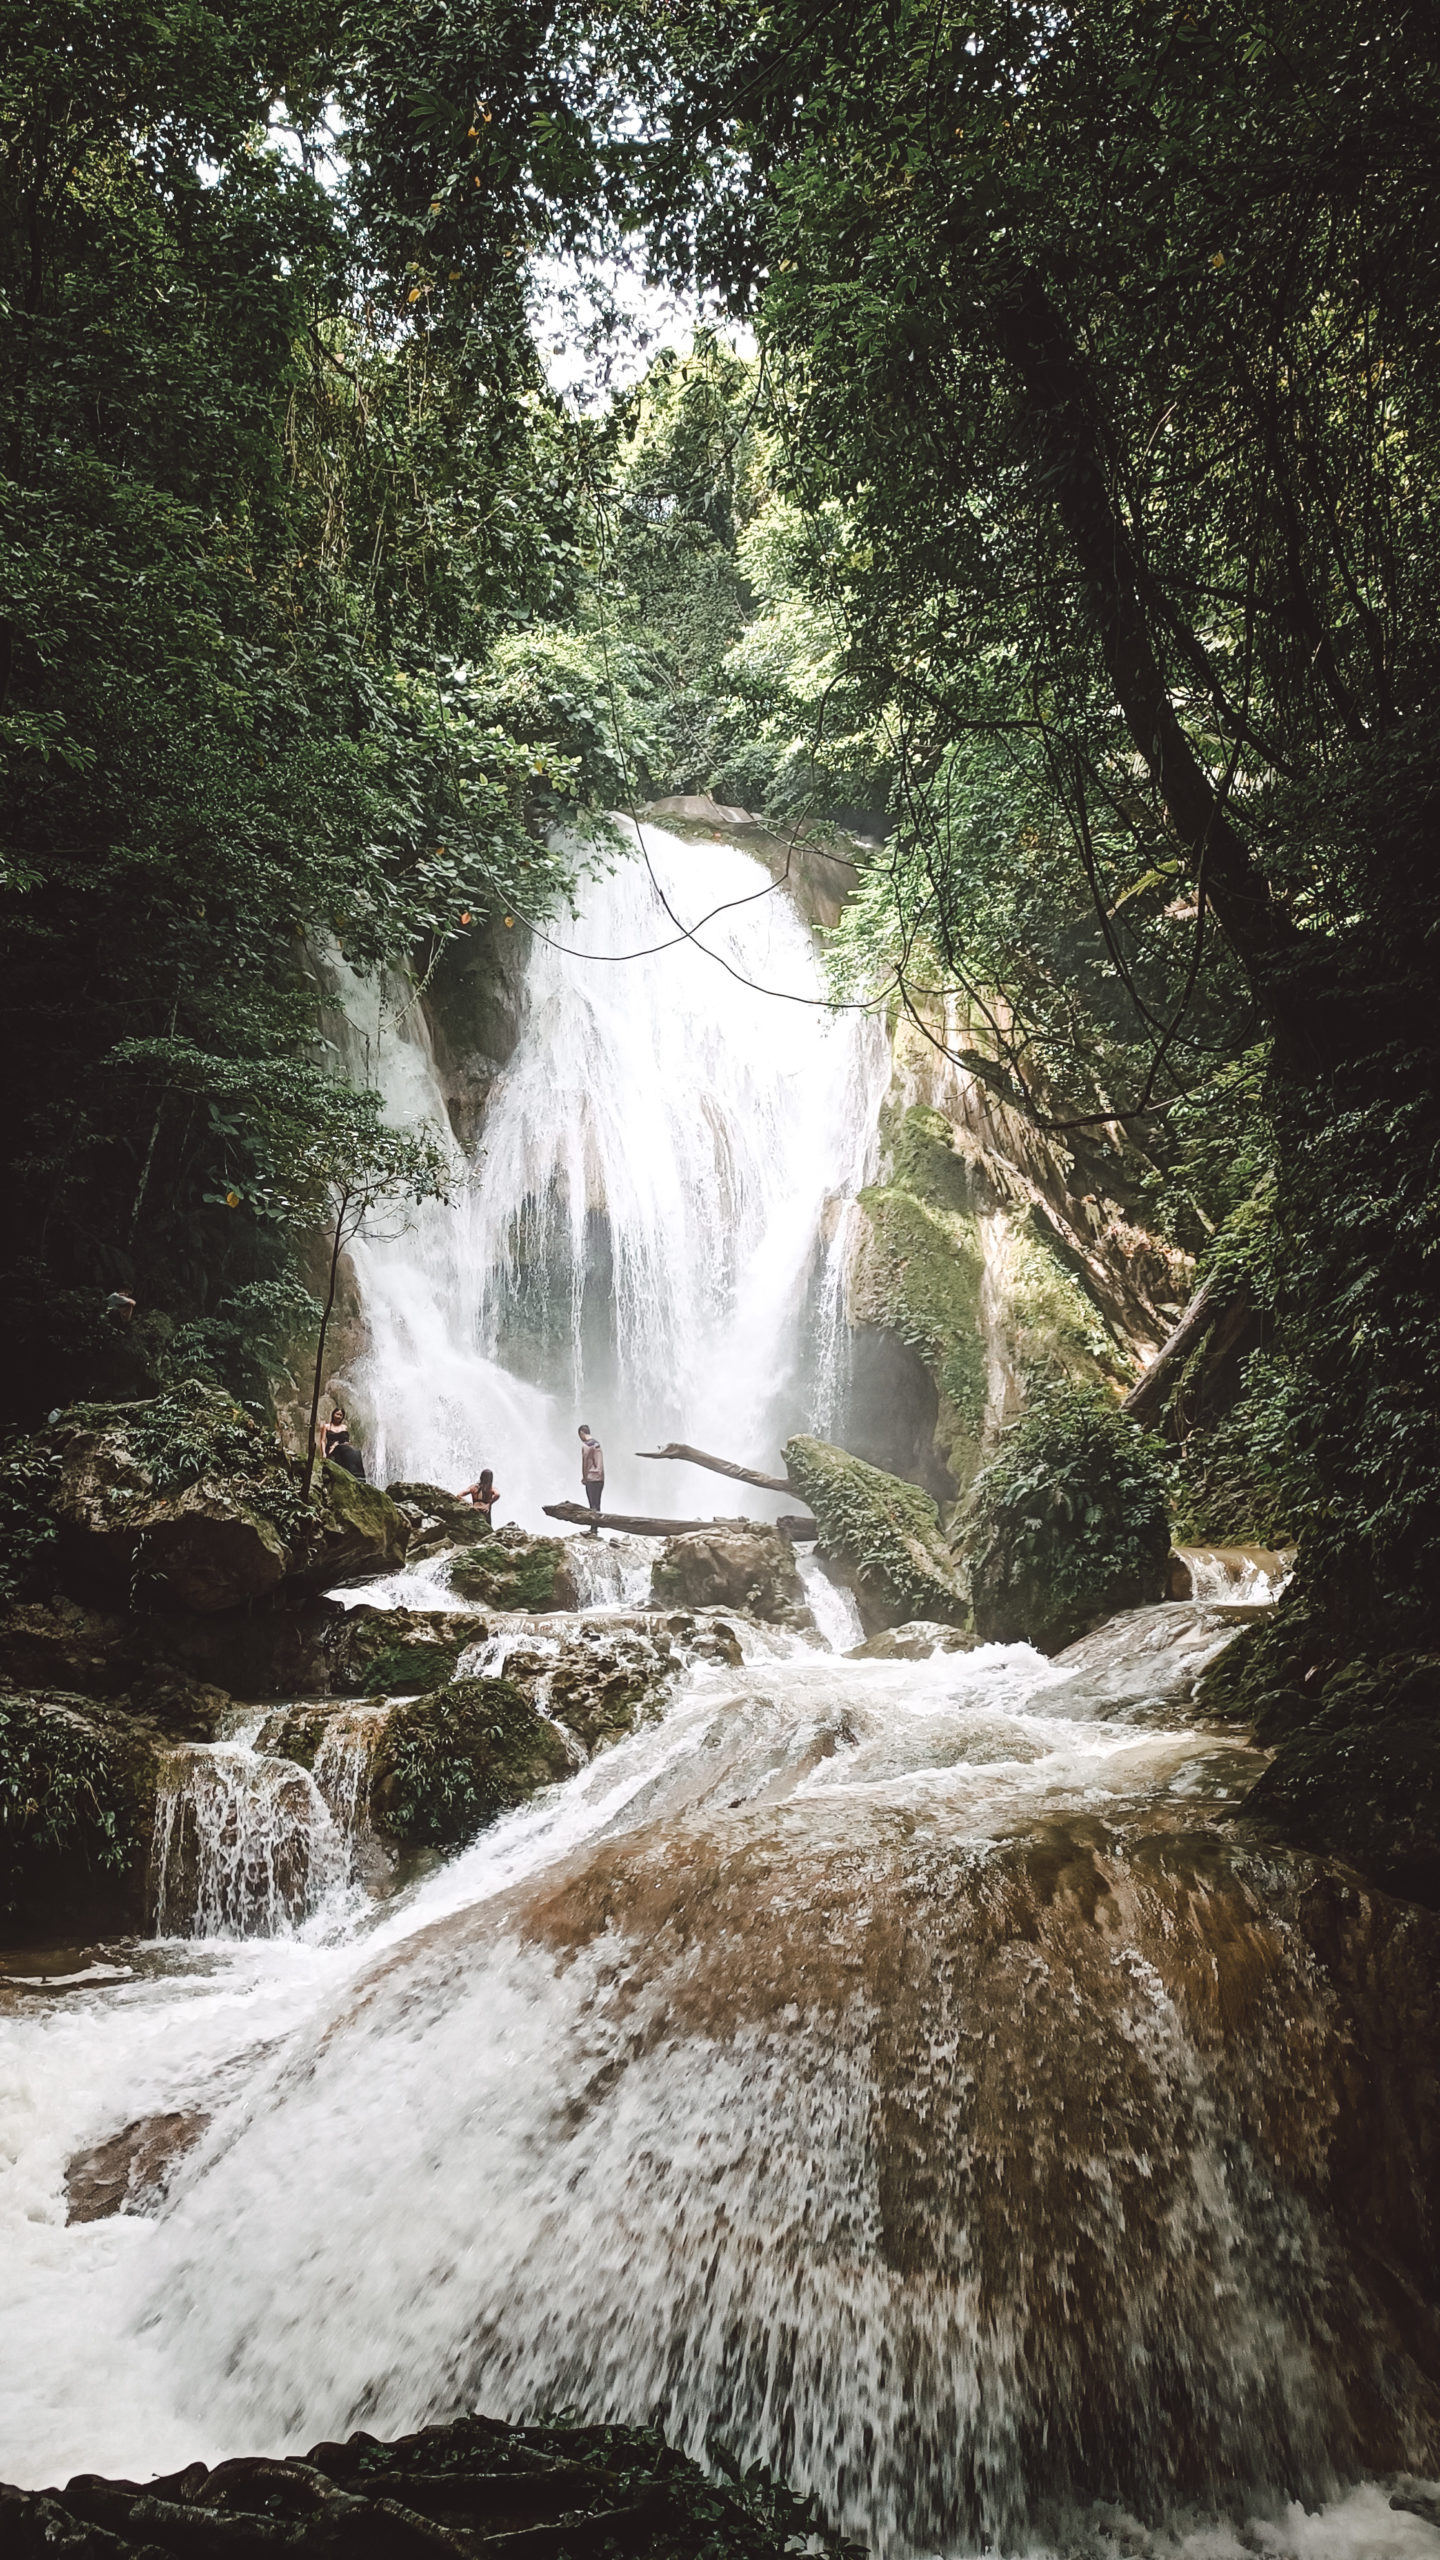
{"points": [[592, 1472]]}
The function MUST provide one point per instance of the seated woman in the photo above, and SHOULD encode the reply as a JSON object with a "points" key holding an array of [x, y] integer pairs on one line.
{"points": [[482, 1495], [337, 1445]]}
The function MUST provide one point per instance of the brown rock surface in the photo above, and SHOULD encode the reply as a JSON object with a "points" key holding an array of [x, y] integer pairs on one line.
{"points": [[732, 1566]]}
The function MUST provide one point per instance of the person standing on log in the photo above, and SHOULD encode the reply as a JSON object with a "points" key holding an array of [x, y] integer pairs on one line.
{"points": [[592, 1472]]}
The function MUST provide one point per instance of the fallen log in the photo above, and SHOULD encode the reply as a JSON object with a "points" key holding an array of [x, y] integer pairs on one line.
{"points": [[630, 1525], [1148, 1394], [720, 1467]]}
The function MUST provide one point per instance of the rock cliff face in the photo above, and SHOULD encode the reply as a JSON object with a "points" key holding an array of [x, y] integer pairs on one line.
{"points": [[988, 1253]]}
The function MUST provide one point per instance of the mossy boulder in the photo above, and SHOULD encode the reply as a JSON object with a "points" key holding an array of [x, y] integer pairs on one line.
{"points": [[883, 1535], [449, 1763], [738, 1564], [449, 1520], [380, 1651], [77, 1800], [187, 1501], [513, 1570], [1068, 1523]]}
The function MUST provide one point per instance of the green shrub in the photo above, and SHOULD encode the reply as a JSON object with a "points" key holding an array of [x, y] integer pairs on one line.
{"points": [[1068, 1523], [64, 1799], [449, 1763]]}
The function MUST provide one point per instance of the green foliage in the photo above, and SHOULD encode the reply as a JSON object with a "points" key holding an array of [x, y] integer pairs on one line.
{"points": [[1068, 1523], [887, 1531], [1235, 1483], [451, 1762], [194, 1432], [410, 1667], [27, 1531], [62, 1797]]}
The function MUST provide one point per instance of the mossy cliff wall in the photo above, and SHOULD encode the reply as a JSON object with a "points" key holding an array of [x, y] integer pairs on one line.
{"points": [[986, 1257]]}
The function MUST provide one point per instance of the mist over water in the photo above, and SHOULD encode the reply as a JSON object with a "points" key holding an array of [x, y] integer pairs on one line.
{"points": [[652, 1239]]}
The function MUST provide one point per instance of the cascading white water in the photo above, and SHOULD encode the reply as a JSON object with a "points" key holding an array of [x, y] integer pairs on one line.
{"points": [[838, 2061], [249, 1844], [650, 1240]]}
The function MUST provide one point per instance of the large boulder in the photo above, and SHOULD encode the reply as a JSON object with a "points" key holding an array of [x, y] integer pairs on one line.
{"points": [[739, 1564], [879, 1534], [441, 1519], [1067, 1526], [449, 1763], [513, 1570], [916, 1641], [187, 1502], [377, 1652]]}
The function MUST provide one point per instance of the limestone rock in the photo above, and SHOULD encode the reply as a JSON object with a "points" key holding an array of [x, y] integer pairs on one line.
{"points": [[131, 2171], [60, 1644], [880, 1534], [382, 1651], [354, 1530], [458, 1523], [187, 1502], [77, 1796], [916, 1641], [513, 1570], [736, 1565], [608, 1676], [449, 1763]]}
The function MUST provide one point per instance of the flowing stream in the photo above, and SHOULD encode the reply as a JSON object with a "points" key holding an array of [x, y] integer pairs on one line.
{"points": [[894, 2070]]}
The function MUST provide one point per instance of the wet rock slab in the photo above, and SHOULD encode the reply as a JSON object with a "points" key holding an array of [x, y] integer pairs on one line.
{"points": [[131, 2172]]}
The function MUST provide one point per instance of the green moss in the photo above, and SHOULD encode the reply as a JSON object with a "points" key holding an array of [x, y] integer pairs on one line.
{"points": [[887, 1531], [511, 1571], [72, 1799], [410, 1666], [449, 1763], [1068, 1523], [1056, 1330], [921, 1278]]}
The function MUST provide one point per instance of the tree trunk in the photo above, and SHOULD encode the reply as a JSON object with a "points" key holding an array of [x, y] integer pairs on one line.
{"points": [[309, 1477], [631, 1525], [1042, 356], [720, 1467]]}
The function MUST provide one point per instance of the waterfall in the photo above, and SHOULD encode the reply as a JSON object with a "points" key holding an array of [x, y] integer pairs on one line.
{"points": [[250, 1844], [653, 1236]]}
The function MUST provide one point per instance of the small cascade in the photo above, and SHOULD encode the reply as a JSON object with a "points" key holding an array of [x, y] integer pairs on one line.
{"points": [[1245, 1577], [832, 1607], [611, 1573], [248, 1843], [342, 1763]]}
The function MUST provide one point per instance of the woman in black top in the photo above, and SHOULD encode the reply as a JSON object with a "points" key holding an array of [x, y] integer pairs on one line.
{"points": [[482, 1495]]}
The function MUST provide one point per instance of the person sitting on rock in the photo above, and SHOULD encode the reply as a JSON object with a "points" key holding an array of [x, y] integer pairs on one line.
{"points": [[482, 1495], [337, 1445], [592, 1472]]}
